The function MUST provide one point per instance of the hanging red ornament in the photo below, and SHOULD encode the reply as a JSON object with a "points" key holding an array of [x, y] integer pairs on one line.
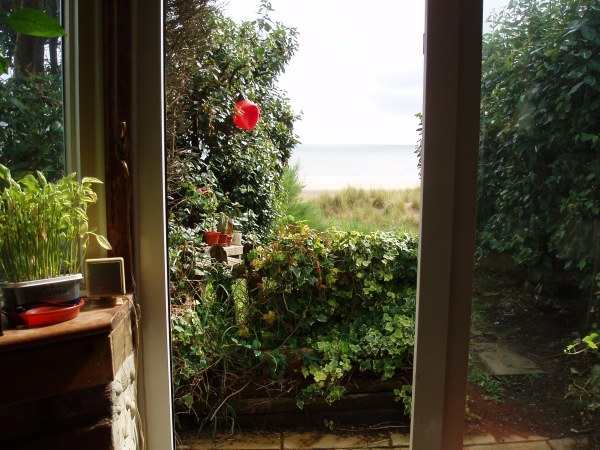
{"points": [[245, 113]]}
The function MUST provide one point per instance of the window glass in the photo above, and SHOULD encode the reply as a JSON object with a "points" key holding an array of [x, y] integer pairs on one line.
{"points": [[31, 97], [538, 214]]}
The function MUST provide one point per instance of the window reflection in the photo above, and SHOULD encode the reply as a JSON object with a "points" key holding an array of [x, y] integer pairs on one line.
{"points": [[31, 98]]}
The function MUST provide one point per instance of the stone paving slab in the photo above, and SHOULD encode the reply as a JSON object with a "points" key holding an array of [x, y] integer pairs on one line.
{"points": [[320, 441], [479, 439], [569, 444], [501, 360], [400, 440], [238, 441], [539, 445]]}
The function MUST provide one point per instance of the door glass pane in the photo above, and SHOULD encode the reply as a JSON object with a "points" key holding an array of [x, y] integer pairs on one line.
{"points": [[31, 97], [538, 222], [307, 323]]}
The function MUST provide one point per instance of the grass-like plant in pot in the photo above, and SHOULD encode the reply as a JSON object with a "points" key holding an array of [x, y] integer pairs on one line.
{"points": [[44, 235]]}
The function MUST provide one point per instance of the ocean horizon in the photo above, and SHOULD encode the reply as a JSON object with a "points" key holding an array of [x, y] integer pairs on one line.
{"points": [[336, 166]]}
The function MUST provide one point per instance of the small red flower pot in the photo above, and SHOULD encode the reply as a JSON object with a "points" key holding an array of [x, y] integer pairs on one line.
{"points": [[211, 237], [223, 240]]}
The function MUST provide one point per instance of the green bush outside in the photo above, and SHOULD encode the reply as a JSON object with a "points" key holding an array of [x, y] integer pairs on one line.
{"points": [[316, 308], [539, 192]]}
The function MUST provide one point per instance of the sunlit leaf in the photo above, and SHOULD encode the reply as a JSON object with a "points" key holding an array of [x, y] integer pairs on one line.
{"points": [[35, 23]]}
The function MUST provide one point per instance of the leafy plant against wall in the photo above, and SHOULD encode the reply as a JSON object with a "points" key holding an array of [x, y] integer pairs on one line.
{"points": [[314, 310], [540, 143], [351, 295]]}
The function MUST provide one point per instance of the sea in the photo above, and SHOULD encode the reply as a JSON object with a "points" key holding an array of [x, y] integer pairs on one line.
{"points": [[334, 167]]}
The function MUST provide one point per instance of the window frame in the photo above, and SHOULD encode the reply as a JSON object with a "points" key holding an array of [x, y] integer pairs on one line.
{"points": [[448, 220]]}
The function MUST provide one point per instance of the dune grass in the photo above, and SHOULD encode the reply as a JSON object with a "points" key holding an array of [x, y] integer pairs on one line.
{"points": [[362, 210], [371, 210]]}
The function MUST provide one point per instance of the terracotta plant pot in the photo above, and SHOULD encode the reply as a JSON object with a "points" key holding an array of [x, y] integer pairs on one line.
{"points": [[211, 237], [224, 240]]}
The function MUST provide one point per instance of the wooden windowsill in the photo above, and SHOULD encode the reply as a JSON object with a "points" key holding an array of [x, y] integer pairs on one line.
{"points": [[95, 317]]}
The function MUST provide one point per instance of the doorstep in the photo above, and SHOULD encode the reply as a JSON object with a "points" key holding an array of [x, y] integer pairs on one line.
{"points": [[373, 440]]}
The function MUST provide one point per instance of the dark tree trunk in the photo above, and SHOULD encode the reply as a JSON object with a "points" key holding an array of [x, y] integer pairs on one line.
{"points": [[54, 11], [29, 50]]}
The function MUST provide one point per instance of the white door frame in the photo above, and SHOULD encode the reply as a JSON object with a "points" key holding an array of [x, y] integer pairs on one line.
{"points": [[451, 123], [448, 213]]}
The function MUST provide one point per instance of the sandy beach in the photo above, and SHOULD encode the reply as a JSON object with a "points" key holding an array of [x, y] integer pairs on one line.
{"points": [[330, 168], [317, 185]]}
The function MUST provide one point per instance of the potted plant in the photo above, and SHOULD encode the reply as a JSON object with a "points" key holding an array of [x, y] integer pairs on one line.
{"points": [[43, 239], [225, 228], [211, 236]]}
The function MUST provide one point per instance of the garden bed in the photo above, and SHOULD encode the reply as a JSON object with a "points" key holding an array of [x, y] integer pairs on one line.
{"points": [[367, 400], [304, 328], [273, 405]]}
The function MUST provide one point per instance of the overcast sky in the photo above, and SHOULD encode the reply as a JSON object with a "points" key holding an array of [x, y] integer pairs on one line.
{"points": [[357, 76]]}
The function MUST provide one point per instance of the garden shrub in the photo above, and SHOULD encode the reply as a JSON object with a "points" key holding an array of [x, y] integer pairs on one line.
{"points": [[210, 61], [333, 304], [540, 140]]}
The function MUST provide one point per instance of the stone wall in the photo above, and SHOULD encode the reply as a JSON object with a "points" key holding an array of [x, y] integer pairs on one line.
{"points": [[125, 413]]}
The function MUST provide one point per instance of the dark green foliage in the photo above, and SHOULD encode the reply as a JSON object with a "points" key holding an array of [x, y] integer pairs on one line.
{"points": [[585, 388], [31, 126], [192, 200], [245, 58], [540, 146]]}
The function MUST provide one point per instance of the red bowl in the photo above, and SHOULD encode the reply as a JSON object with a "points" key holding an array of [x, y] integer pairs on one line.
{"points": [[44, 315]]}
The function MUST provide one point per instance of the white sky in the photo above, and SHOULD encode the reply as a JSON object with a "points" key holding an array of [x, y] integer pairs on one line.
{"points": [[357, 76]]}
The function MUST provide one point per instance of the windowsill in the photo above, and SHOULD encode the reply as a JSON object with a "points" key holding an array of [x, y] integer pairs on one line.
{"points": [[95, 317]]}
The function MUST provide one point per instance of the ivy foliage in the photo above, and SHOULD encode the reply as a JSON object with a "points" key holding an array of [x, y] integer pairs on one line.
{"points": [[313, 310], [539, 191], [204, 84]]}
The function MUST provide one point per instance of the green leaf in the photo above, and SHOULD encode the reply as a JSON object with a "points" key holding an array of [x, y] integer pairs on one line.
{"points": [[589, 340], [588, 33], [3, 64], [102, 241], [35, 23], [575, 88]]}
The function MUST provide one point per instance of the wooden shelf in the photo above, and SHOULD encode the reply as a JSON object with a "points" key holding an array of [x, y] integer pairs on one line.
{"points": [[96, 316]]}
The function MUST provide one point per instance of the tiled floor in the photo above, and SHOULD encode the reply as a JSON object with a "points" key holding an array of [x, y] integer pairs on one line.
{"points": [[371, 441]]}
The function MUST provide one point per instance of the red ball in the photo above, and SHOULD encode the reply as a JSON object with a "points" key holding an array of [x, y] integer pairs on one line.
{"points": [[246, 114]]}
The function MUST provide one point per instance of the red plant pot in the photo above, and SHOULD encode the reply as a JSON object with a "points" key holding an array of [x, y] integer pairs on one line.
{"points": [[223, 240], [211, 237]]}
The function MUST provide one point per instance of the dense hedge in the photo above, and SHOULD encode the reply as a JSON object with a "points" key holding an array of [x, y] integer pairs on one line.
{"points": [[328, 305], [539, 191]]}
